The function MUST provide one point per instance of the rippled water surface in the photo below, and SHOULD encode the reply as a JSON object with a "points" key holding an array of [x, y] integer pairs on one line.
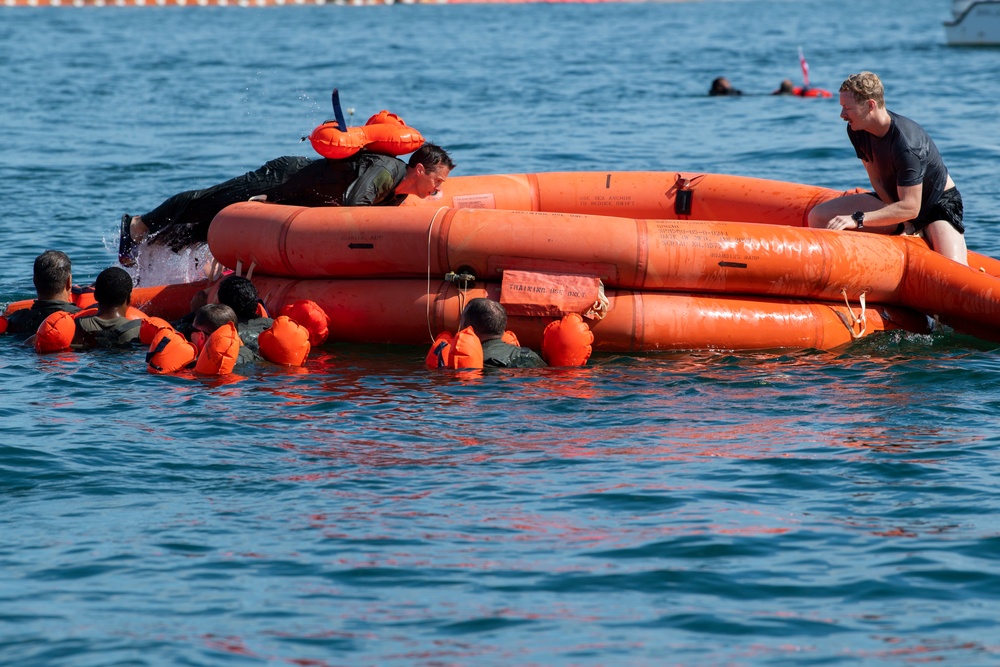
{"points": [[782, 508]]}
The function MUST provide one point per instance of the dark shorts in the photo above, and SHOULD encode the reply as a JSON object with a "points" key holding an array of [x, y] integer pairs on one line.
{"points": [[948, 208]]}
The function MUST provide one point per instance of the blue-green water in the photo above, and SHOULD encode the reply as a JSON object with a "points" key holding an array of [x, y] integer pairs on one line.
{"points": [[786, 508]]}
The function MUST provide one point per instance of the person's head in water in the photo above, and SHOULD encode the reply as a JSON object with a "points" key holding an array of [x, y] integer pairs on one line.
{"points": [[721, 86], [239, 294], [786, 88], [52, 275], [113, 288], [211, 316], [487, 318]]}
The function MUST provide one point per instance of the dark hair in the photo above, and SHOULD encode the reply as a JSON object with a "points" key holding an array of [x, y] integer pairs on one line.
{"points": [[113, 287], [487, 318], [51, 272], [214, 315], [239, 294], [431, 156]]}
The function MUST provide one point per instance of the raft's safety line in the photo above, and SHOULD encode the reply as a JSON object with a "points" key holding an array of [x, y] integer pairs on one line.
{"points": [[430, 233], [856, 319]]}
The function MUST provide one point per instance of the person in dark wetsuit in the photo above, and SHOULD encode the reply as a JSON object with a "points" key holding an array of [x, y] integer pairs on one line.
{"points": [[488, 320], [913, 191], [241, 295], [110, 326], [364, 179], [722, 87], [53, 279], [210, 317]]}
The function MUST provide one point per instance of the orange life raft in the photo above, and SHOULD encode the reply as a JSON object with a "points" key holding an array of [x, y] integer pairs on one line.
{"points": [[686, 260]]}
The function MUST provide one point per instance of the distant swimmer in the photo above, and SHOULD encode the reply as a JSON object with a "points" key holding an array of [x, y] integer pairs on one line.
{"points": [[721, 86], [789, 88], [363, 179], [913, 191]]}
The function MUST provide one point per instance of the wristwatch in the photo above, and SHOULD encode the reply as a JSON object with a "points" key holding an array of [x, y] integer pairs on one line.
{"points": [[859, 218]]}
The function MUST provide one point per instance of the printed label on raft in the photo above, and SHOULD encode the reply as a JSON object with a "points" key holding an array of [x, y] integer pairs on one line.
{"points": [[718, 243], [474, 201], [606, 200]]}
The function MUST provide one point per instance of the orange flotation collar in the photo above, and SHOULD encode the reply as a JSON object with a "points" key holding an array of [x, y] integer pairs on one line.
{"points": [[384, 133], [55, 333], [461, 350], [221, 351], [310, 315], [567, 342], [286, 342], [169, 352]]}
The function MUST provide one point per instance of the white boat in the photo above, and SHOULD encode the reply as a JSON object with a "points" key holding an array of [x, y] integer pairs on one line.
{"points": [[973, 22]]}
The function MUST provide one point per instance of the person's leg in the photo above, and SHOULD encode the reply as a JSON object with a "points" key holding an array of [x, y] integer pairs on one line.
{"points": [[947, 240], [821, 214]]}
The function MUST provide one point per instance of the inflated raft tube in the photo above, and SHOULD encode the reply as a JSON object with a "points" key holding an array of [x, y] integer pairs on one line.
{"points": [[637, 254], [170, 302], [406, 312]]}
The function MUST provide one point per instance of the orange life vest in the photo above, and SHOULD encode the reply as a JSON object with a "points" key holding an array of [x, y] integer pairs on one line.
{"points": [[312, 317], [221, 351], [567, 342], [285, 343], [384, 133]]}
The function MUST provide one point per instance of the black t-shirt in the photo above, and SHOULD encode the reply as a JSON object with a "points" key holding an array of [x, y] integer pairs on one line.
{"points": [[905, 156]]}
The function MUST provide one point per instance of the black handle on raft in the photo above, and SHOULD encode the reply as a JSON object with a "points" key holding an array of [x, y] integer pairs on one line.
{"points": [[338, 112]]}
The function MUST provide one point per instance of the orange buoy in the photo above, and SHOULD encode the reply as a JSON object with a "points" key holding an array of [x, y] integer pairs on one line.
{"points": [[285, 343]]}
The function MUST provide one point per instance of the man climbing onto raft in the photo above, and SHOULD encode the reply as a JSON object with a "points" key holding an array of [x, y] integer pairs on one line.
{"points": [[913, 190], [363, 179]]}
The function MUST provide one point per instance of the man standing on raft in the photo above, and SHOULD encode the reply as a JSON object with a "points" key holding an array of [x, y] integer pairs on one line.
{"points": [[913, 191], [364, 179]]}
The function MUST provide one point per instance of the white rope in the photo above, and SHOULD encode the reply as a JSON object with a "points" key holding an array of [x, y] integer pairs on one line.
{"points": [[856, 319], [430, 233]]}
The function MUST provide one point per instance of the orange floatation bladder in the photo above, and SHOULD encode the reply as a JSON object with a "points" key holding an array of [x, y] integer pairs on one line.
{"points": [[461, 350], [221, 351], [312, 317], [285, 343], [567, 342], [384, 133], [169, 352], [55, 333]]}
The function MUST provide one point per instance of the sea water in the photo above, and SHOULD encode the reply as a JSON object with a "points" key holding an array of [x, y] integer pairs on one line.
{"points": [[696, 508]]}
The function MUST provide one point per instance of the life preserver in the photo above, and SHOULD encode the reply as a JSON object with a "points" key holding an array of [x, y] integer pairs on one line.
{"points": [[285, 343], [384, 133], [461, 350], [169, 352], [312, 317], [811, 92], [150, 327], [221, 350], [55, 333], [567, 342]]}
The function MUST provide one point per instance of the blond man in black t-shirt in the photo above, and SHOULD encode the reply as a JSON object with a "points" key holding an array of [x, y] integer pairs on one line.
{"points": [[913, 191]]}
